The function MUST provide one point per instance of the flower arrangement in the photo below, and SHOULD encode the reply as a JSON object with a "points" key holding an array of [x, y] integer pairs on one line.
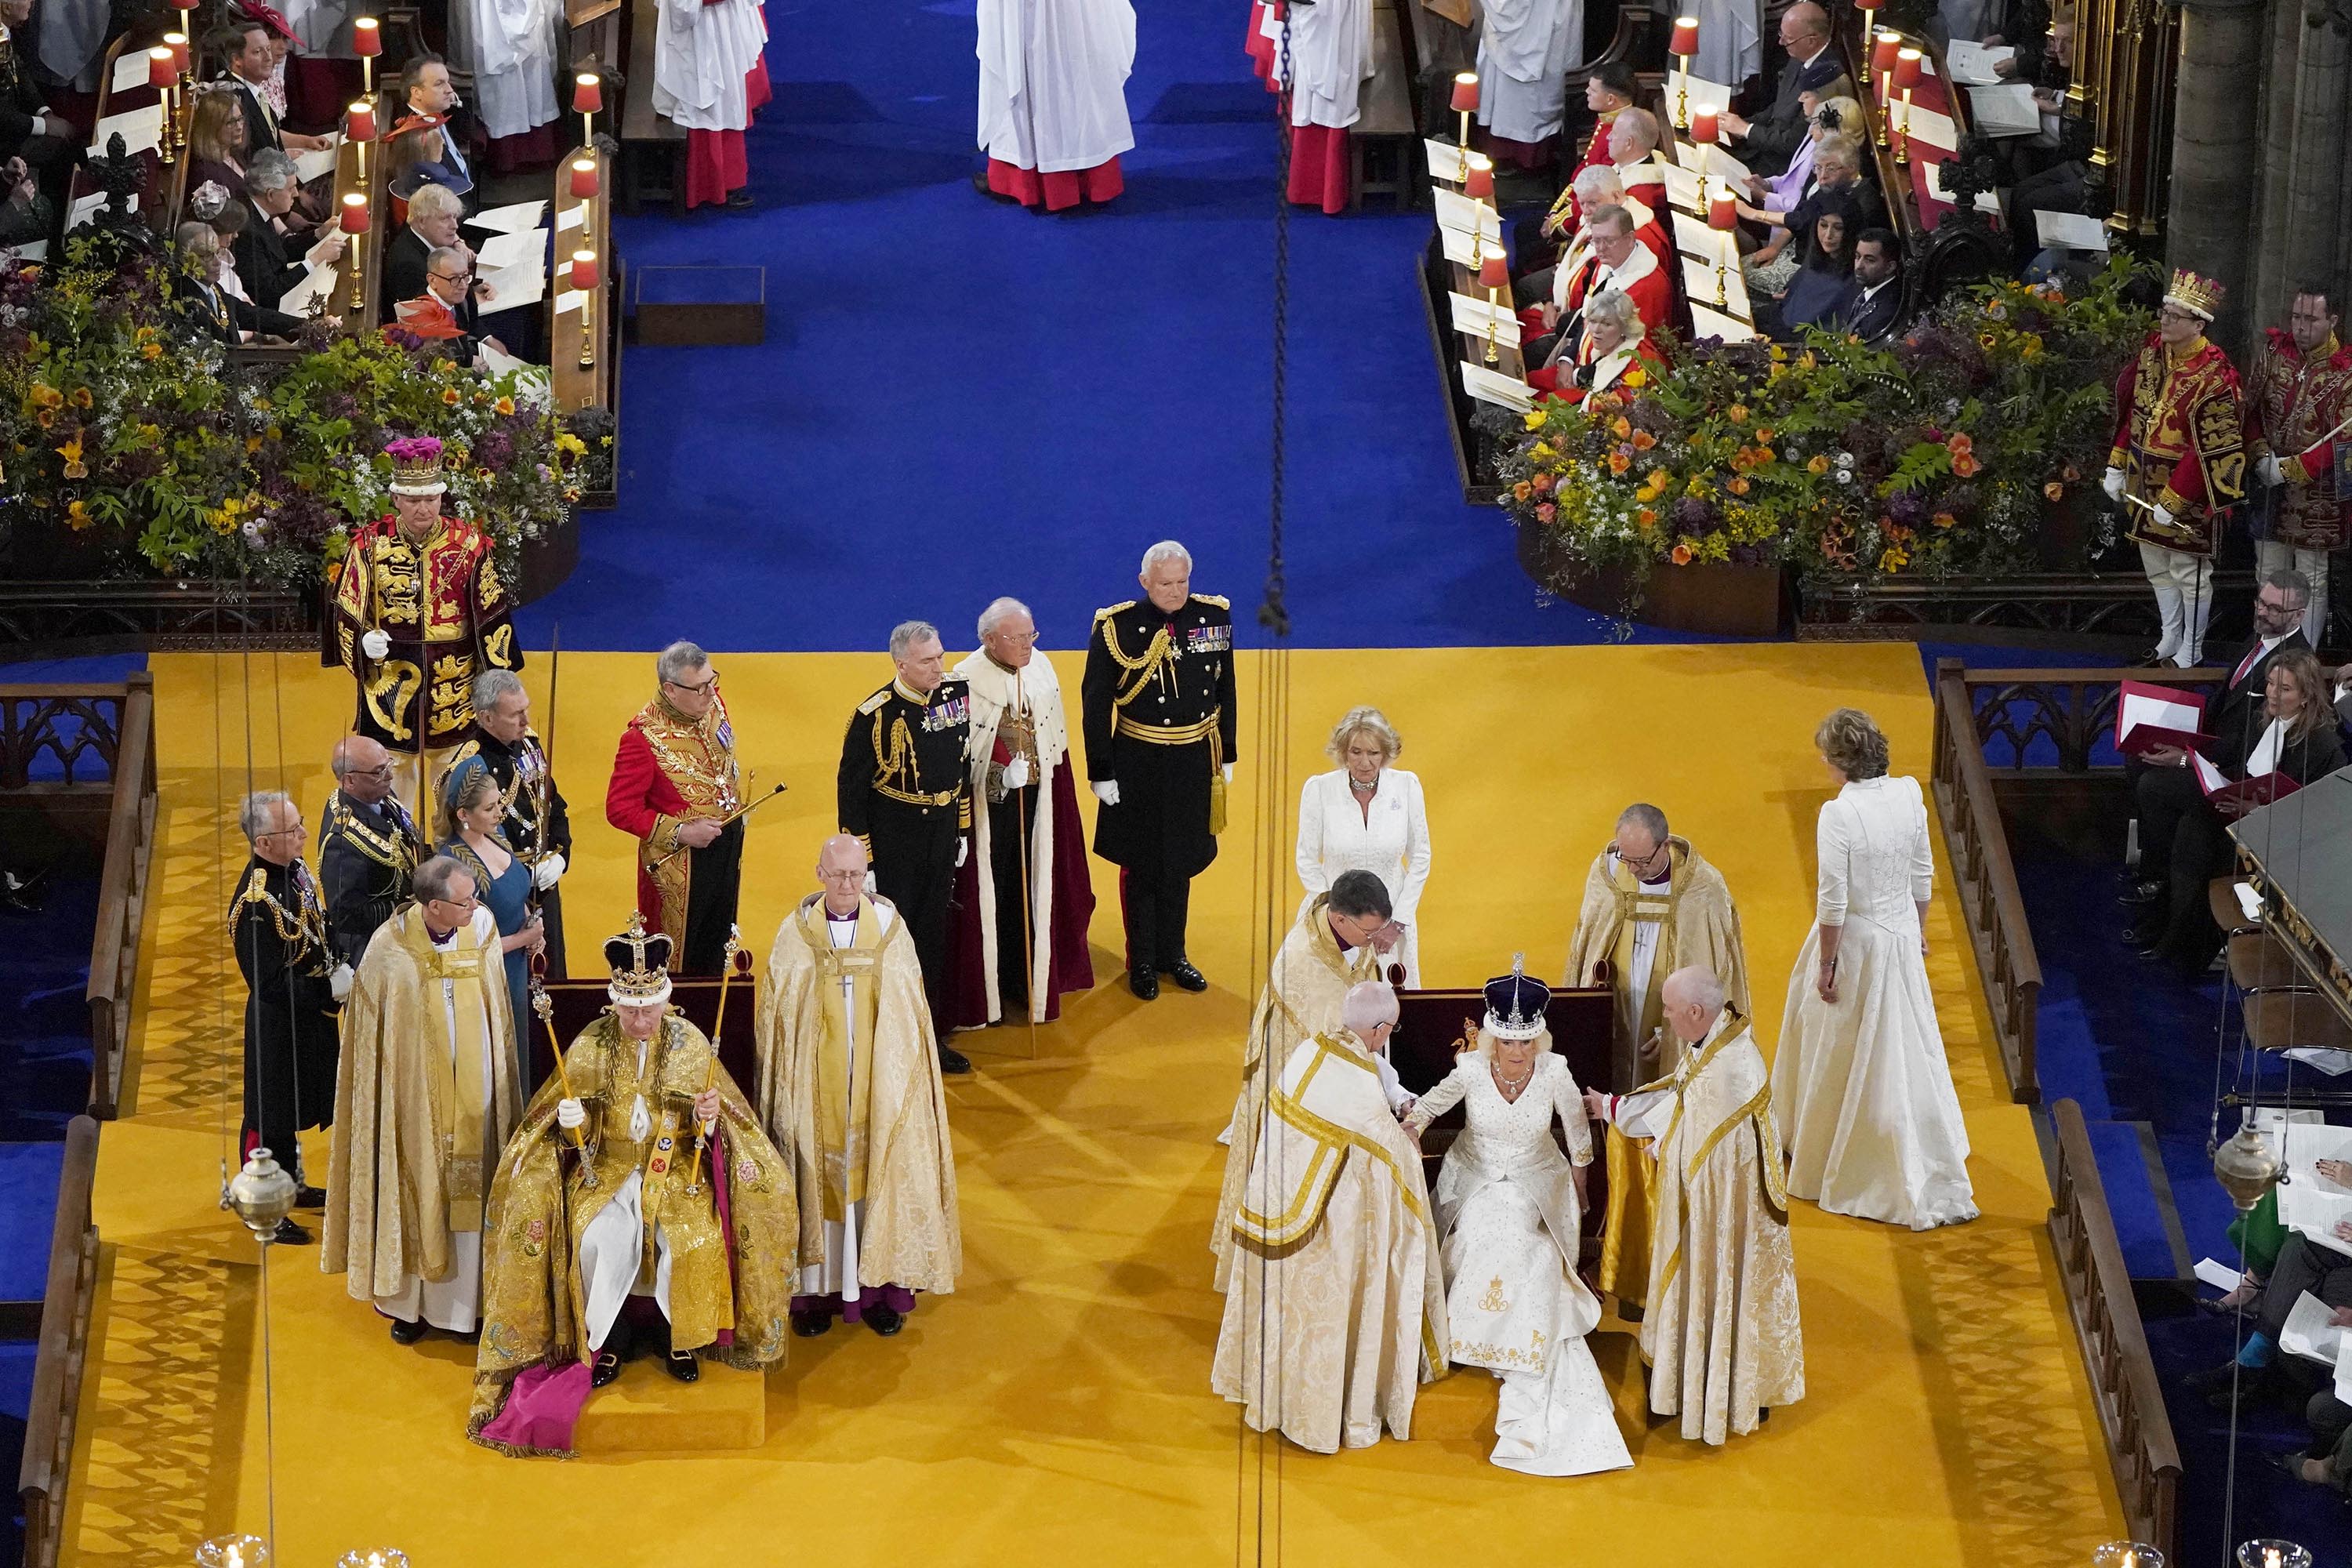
{"points": [[128, 438], [1938, 455]]}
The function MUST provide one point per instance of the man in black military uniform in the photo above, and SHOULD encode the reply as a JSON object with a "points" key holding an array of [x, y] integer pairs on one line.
{"points": [[369, 846], [537, 827], [1159, 701], [295, 985], [905, 795]]}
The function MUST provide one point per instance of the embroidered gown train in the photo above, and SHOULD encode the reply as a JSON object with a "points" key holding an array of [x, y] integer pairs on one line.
{"points": [[1509, 1219]]}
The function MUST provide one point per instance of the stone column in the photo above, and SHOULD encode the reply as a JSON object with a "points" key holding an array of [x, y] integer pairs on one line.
{"points": [[2315, 171], [2278, 147], [2215, 152]]}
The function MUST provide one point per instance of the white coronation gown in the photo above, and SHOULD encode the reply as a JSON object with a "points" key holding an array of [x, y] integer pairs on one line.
{"points": [[1860, 1088], [1506, 1209], [1390, 841]]}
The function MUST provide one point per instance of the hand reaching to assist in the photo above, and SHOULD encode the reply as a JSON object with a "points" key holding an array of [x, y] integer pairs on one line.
{"points": [[699, 833]]}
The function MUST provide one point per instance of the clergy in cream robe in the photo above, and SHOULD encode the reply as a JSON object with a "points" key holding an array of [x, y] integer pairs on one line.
{"points": [[509, 46], [1336, 1314], [1651, 905], [849, 1088], [1019, 754], [1720, 1331], [1525, 52], [423, 1102], [1053, 98], [704, 57], [1387, 834], [1311, 975]]}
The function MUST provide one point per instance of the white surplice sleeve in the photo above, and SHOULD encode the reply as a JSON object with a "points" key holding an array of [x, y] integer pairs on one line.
{"points": [[1923, 854], [1447, 1093], [1568, 1100], [1830, 843], [1642, 1115], [1310, 838], [1407, 900]]}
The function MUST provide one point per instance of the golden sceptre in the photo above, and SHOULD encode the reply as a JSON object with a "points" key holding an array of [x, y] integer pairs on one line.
{"points": [[732, 956], [544, 1006]]}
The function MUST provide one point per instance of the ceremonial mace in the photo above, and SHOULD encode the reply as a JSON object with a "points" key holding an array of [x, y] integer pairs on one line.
{"points": [[732, 957], [542, 1006], [739, 811]]}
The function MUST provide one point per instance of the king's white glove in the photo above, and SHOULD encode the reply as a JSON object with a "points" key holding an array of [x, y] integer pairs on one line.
{"points": [[2112, 483], [375, 645], [339, 983], [1106, 792], [1017, 773], [571, 1115], [2274, 473], [543, 875], [963, 852], [1229, 773]]}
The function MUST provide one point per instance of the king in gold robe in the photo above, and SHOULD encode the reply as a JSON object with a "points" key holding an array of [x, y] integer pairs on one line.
{"points": [[1311, 975], [1335, 1308], [425, 1101], [1651, 905], [849, 1088], [617, 1186], [1721, 1333]]}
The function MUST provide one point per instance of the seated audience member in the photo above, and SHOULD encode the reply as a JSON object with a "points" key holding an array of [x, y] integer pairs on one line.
{"points": [[1819, 284], [211, 310], [1837, 169], [208, 204], [262, 258], [26, 214], [417, 156], [1619, 261], [1618, 341], [251, 59], [1872, 306], [29, 128], [2186, 832], [1597, 188], [1775, 198], [1766, 142], [434, 213], [2303, 1265], [216, 151], [446, 312]]}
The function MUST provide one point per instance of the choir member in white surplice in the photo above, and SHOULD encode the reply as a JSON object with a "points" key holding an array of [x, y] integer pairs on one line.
{"points": [[1861, 1087], [1367, 815], [707, 78], [1524, 56], [1053, 100], [509, 47], [1330, 61], [1510, 1207]]}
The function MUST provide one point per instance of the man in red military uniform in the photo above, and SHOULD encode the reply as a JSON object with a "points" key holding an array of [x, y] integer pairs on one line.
{"points": [[674, 783], [414, 556], [2179, 461], [1609, 91], [2296, 402]]}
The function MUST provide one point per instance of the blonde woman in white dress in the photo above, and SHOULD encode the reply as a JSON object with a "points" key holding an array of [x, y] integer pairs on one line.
{"points": [[1860, 1088], [1510, 1211], [1367, 815]]}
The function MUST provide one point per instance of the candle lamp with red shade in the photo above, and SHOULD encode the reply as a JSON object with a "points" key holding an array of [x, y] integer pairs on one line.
{"points": [[163, 76], [367, 42], [1682, 45], [1466, 104], [587, 102], [1494, 276], [1723, 216], [1908, 76], [354, 221], [584, 279], [1883, 48]]}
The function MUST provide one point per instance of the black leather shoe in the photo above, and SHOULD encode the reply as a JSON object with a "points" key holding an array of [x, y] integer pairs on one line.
{"points": [[684, 1365], [2145, 892], [310, 1197], [953, 1061], [607, 1367], [883, 1320], [811, 1323], [405, 1333], [1186, 977], [980, 183], [289, 1234], [2219, 1379], [740, 201], [1144, 984]]}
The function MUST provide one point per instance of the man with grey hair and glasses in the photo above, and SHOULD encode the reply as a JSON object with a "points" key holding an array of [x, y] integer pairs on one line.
{"points": [[903, 793], [1158, 700], [536, 826], [676, 785]]}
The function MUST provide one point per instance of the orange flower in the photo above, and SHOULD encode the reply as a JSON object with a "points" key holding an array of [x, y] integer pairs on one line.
{"points": [[1681, 556], [81, 398], [1644, 440], [1739, 412], [505, 406], [1541, 484], [1964, 465], [1765, 454], [334, 572], [1621, 427], [151, 349], [1738, 486], [449, 396], [1763, 432], [1619, 462], [1943, 520], [1659, 479], [2053, 489], [46, 417], [1522, 490], [2070, 473], [1961, 445], [1645, 520], [71, 452], [1820, 463]]}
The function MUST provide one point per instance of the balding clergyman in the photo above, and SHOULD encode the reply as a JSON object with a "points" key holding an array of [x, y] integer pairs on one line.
{"points": [[904, 794], [1159, 721]]}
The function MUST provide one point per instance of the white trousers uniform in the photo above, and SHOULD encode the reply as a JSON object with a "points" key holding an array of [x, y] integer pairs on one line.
{"points": [[2184, 600]]}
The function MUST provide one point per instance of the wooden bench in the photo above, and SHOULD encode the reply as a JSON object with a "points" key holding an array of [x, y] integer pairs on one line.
{"points": [[46, 1466]]}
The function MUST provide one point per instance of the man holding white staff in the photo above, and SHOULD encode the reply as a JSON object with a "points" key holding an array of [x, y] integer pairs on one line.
{"points": [[1024, 944], [1053, 100]]}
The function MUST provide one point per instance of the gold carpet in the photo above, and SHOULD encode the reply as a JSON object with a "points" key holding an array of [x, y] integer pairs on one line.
{"points": [[1056, 1407]]}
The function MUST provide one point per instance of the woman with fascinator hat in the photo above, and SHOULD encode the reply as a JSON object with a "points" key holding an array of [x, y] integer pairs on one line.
{"points": [[1509, 1208], [472, 808]]}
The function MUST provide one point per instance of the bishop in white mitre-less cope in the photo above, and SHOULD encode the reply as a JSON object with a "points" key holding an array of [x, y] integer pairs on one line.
{"points": [[1524, 56], [1052, 99], [707, 78], [509, 47]]}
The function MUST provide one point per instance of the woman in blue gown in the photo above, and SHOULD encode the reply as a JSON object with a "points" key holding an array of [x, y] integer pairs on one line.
{"points": [[471, 810]]}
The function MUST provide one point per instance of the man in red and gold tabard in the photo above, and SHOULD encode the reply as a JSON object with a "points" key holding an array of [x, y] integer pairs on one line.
{"points": [[2179, 461], [2297, 401], [415, 556], [675, 782]]}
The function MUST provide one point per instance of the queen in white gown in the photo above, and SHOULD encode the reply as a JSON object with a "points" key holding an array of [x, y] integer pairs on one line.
{"points": [[1861, 1089], [1367, 815], [1509, 1211]]}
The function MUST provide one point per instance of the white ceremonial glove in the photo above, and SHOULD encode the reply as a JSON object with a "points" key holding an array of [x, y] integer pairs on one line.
{"points": [[1017, 773], [2112, 483], [571, 1115], [2163, 515], [1106, 792], [1229, 773], [543, 875], [963, 852], [2274, 473], [339, 983], [375, 645]]}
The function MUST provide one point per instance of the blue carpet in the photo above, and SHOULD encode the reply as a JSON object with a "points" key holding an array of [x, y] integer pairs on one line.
{"points": [[28, 1173], [15, 1399], [45, 1053], [959, 399]]}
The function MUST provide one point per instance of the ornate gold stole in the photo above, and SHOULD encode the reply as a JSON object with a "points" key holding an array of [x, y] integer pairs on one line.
{"points": [[844, 1053], [1635, 904], [455, 1082]]}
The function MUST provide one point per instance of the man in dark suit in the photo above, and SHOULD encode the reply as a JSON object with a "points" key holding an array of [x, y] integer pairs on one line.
{"points": [[29, 128], [211, 311], [431, 97], [1766, 142], [2163, 786], [262, 263], [1872, 305], [433, 215], [246, 54]]}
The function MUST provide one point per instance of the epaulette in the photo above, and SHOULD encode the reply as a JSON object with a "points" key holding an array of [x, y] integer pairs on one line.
{"points": [[1217, 599], [1114, 609], [257, 889], [470, 747], [875, 701]]}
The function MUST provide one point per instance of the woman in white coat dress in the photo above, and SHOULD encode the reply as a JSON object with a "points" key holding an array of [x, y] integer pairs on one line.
{"points": [[1510, 1214], [1367, 815], [1861, 1089]]}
